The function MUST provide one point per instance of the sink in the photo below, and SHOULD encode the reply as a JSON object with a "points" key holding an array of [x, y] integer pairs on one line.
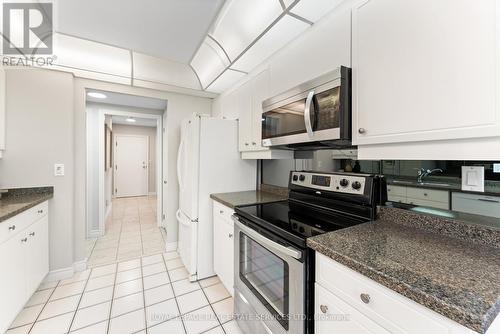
{"points": [[423, 184]]}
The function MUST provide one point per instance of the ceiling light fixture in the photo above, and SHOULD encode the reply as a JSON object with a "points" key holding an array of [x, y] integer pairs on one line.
{"points": [[97, 95], [130, 120]]}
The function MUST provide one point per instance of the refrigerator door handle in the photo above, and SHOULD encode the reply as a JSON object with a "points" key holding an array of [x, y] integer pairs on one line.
{"points": [[180, 220]]}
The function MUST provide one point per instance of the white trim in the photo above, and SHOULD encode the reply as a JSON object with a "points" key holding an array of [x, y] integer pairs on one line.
{"points": [[171, 246], [68, 272], [152, 193], [94, 234]]}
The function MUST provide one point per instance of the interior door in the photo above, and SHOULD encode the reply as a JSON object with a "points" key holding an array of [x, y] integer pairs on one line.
{"points": [[131, 165], [164, 163]]}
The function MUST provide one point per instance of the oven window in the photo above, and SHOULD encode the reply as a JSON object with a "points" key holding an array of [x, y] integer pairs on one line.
{"points": [[284, 121], [327, 109], [266, 275]]}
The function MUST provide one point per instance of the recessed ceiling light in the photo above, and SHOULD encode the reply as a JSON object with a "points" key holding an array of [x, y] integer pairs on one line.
{"points": [[97, 95], [130, 119]]}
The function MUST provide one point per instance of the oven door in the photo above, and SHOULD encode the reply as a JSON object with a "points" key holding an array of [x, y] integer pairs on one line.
{"points": [[269, 282]]}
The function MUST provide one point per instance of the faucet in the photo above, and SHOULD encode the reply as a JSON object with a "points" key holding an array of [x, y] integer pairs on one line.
{"points": [[422, 173]]}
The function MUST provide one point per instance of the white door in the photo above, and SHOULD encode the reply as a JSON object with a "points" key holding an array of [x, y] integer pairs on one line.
{"points": [[164, 163], [131, 165], [187, 167]]}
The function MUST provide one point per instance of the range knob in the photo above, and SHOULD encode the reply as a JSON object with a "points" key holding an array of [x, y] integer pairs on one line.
{"points": [[356, 185], [344, 182], [295, 177], [302, 177]]}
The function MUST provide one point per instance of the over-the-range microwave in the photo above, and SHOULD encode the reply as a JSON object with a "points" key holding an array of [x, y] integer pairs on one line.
{"points": [[315, 114]]}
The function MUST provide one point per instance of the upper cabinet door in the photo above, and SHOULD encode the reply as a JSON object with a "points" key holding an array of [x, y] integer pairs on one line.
{"points": [[260, 93], [425, 70]]}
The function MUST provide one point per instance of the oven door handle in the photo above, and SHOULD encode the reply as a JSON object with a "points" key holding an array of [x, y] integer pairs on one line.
{"points": [[267, 242], [307, 114]]}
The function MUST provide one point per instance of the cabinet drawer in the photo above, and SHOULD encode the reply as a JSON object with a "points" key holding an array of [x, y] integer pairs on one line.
{"points": [[336, 316], [396, 190], [428, 194], [16, 224], [389, 309], [223, 211], [395, 198], [430, 204]]}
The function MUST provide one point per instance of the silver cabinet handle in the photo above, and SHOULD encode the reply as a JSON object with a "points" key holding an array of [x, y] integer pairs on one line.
{"points": [[32, 234], [307, 114], [365, 298], [425, 194], [323, 308], [221, 212], [40, 211], [254, 143], [230, 235], [24, 239], [12, 228], [361, 131], [246, 144]]}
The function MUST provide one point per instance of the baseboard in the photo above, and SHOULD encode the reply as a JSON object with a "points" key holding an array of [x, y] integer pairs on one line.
{"points": [[68, 272], [95, 234], [108, 212], [152, 193], [171, 246]]}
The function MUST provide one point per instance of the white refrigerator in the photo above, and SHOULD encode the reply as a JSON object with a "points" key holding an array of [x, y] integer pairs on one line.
{"points": [[208, 162]]}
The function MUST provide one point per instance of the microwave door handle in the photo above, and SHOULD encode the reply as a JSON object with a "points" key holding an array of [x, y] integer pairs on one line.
{"points": [[307, 114], [267, 242]]}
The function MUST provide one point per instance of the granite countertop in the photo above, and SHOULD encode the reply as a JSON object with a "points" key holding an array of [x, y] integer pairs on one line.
{"points": [[266, 194], [448, 266], [18, 200]]}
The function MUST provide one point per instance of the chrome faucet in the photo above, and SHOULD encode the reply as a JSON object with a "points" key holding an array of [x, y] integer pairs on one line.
{"points": [[422, 173]]}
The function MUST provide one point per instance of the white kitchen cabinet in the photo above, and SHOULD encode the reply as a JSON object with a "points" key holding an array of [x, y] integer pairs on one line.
{"points": [[2, 110], [24, 259], [224, 245], [420, 75], [370, 306], [477, 204], [419, 196], [344, 318]]}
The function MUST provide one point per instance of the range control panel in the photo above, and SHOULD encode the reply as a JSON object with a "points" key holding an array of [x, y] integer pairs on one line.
{"points": [[341, 183]]}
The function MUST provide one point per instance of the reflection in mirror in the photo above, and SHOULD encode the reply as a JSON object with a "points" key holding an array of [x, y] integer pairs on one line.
{"points": [[432, 187]]}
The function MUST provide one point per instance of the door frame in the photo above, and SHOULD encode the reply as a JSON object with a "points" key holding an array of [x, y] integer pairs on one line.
{"points": [[114, 156], [101, 161]]}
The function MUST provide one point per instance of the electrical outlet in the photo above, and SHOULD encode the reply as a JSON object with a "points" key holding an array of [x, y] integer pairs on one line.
{"points": [[58, 169], [496, 168], [473, 178]]}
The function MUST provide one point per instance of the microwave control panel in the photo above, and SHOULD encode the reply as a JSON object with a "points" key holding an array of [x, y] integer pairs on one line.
{"points": [[340, 183]]}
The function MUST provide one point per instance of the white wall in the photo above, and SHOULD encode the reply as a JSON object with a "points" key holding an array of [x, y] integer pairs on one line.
{"points": [[40, 133], [179, 107], [150, 132], [322, 48]]}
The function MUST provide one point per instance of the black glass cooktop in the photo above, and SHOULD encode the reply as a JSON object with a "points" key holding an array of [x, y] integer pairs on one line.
{"points": [[294, 221]]}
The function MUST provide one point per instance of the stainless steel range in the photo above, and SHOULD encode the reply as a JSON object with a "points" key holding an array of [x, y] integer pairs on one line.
{"points": [[274, 269]]}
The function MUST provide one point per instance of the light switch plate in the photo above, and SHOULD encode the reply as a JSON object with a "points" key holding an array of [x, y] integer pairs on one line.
{"points": [[58, 169], [473, 178]]}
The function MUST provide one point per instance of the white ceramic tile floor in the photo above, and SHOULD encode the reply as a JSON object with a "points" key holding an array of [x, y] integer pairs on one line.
{"points": [[130, 296], [131, 232]]}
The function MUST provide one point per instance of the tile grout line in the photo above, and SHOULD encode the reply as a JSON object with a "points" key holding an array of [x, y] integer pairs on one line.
{"points": [[144, 299], [79, 301], [112, 300], [212, 308], [45, 304], [175, 298]]}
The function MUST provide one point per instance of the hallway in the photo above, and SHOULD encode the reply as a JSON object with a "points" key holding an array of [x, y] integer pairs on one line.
{"points": [[131, 232]]}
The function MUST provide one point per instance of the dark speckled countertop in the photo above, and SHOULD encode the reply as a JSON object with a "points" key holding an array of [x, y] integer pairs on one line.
{"points": [[267, 194], [18, 200], [448, 266]]}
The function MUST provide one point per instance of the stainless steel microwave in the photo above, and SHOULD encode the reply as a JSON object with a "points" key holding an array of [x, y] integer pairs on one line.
{"points": [[314, 114]]}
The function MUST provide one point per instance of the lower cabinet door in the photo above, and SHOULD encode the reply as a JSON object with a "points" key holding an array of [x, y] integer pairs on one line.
{"points": [[37, 253], [333, 315], [223, 252], [12, 279]]}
